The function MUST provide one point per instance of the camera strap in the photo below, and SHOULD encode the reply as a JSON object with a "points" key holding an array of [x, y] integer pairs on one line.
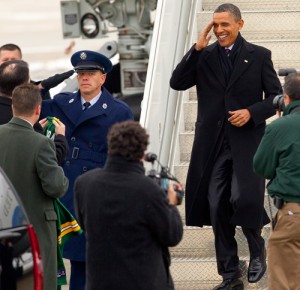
{"points": [[270, 208]]}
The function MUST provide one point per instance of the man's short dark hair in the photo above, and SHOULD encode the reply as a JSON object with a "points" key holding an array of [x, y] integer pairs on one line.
{"points": [[12, 73], [291, 86], [25, 99], [232, 9], [127, 139], [11, 47]]}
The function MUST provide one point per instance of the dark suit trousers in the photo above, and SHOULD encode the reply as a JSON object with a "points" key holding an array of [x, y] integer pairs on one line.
{"points": [[223, 195]]}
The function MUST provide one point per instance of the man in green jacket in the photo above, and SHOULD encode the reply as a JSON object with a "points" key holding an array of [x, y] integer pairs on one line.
{"points": [[278, 159], [29, 160]]}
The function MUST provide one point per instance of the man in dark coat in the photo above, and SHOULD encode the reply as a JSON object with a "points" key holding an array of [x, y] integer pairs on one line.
{"points": [[235, 94], [87, 114], [128, 219], [28, 159]]}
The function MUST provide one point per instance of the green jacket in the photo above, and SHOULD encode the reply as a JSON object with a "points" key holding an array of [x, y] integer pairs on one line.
{"points": [[29, 160], [278, 155]]}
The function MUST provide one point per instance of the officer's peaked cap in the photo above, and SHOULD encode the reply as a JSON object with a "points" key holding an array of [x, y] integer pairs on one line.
{"points": [[87, 60]]}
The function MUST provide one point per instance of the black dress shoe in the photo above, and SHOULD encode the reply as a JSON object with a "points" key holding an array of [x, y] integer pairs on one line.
{"points": [[230, 284], [257, 268]]}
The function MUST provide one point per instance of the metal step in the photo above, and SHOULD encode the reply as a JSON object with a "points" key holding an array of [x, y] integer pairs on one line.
{"points": [[193, 260], [211, 5], [199, 274], [186, 140], [284, 53], [198, 243]]}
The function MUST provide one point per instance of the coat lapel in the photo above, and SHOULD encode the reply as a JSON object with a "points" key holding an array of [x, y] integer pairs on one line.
{"points": [[212, 59], [244, 61], [70, 105], [102, 107]]}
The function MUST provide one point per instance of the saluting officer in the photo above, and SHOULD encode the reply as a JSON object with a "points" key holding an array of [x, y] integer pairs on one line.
{"points": [[87, 114]]}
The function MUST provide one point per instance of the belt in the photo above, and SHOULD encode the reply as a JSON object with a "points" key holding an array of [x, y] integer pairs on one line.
{"points": [[79, 153]]}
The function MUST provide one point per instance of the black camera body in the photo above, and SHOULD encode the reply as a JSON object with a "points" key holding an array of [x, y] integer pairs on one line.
{"points": [[163, 176], [278, 103]]}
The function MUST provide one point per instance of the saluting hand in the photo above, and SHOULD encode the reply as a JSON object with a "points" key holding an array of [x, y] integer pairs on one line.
{"points": [[204, 38]]}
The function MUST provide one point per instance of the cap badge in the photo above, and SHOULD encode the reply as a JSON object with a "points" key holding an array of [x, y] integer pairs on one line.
{"points": [[104, 106], [83, 55]]}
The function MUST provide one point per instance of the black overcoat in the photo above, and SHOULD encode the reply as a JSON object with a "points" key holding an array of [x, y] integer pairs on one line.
{"points": [[253, 85], [129, 226]]}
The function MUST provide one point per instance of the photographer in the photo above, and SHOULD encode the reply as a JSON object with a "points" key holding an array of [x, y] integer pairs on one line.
{"points": [[278, 159], [128, 219]]}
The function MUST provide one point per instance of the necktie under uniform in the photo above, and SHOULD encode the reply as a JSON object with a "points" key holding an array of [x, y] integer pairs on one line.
{"points": [[86, 105], [227, 51]]}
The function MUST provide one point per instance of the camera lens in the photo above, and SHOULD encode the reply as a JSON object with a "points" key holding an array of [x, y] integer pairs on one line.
{"points": [[278, 103]]}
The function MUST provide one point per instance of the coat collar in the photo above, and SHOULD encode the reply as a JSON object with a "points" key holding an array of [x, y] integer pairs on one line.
{"points": [[72, 108], [290, 108], [5, 101], [20, 122], [120, 164], [243, 62]]}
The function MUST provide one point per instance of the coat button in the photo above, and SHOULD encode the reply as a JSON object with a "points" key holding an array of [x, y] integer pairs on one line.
{"points": [[67, 163], [73, 139], [90, 144], [84, 168], [219, 123]]}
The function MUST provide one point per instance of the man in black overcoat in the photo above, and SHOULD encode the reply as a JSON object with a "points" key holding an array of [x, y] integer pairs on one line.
{"points": [[128, 219], [236, 84]]}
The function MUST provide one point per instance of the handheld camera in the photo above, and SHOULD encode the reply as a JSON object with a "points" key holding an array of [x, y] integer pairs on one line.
{"points": [[163, 176]]}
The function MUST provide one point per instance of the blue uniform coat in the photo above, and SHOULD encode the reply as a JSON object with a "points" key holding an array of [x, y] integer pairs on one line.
{"points": [[86, 132]]}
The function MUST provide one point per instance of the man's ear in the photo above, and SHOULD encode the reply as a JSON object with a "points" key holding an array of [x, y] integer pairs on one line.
{"points": [[241, 24], [103, 78], [287, 99], [38, 110]]}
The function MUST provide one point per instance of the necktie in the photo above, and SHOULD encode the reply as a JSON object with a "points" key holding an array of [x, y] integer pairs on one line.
{"points": [[227, 51], [86, 105]]}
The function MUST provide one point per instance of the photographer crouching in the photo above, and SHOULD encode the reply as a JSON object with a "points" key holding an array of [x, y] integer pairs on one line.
{"points": [[278, 159], [128, 219]]}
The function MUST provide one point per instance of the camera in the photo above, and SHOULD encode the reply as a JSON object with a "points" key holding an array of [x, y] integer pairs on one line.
{"points": [[163, 176], [278, 103]]}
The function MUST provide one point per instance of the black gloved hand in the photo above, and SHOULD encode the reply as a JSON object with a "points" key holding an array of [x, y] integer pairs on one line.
{"points": [[55, 80]]}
